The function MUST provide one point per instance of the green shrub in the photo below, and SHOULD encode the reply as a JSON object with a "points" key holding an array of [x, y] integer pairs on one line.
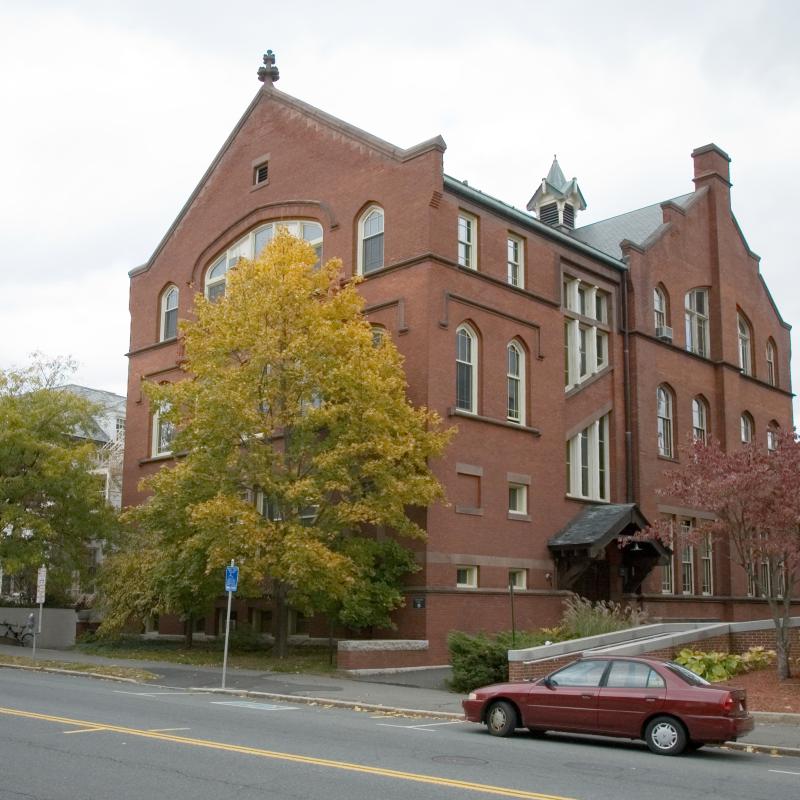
{"points": [[723, 666], [582, 617], [478, 660], [243, 640]]}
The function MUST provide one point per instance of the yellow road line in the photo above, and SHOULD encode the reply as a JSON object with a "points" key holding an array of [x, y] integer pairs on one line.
{"points": [[291, 757]]}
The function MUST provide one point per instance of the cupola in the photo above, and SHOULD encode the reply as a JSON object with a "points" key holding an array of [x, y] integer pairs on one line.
{"points": [[557, 199]]}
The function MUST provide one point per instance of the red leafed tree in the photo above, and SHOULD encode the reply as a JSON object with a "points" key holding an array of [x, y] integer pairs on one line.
{"points": [[754, 495]]}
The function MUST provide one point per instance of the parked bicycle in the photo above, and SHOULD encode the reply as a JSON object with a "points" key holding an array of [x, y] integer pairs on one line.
{"points": [[19, 634]]}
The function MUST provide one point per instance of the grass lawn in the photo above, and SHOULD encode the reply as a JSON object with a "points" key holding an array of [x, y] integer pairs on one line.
{"points": [[136, 673], [209, 654]]}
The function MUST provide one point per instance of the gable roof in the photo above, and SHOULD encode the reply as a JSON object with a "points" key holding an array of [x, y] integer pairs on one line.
{"points": [[636, 226], [385, 148]]}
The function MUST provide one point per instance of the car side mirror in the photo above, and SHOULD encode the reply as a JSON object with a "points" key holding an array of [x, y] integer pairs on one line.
{"points": [[549, 683]]}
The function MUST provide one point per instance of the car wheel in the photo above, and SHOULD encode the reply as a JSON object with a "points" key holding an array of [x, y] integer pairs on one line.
{"points": [[665, 736], [501, 718], [26, 640]]}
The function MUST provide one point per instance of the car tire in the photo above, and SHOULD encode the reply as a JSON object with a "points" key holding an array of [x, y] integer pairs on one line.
{"points": [[501, 718], [26, 640], [665, 736]]}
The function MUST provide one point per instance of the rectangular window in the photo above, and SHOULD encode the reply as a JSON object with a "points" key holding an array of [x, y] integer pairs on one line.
{"points": [[518, 578], [585, 344], [517, 498], [163, 433], [707, 560], [697, 322], [466, 577], [261, 173], [687, 558], [515, 265], [119, 433], [587, 462], [467, 240]]}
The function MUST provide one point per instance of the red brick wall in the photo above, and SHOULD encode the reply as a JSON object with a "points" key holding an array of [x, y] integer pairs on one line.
{"points": [[381, 659]]}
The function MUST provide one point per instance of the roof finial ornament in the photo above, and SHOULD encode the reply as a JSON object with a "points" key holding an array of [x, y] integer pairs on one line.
{"points": [[268, 74]]}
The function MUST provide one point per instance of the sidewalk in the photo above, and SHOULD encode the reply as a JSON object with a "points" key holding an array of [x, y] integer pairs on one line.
{"points": [[779, 733]]}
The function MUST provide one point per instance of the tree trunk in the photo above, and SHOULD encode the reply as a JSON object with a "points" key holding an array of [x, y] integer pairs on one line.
{"points": [[188, 631], [281, 649], [781, 616], [330, 641]]}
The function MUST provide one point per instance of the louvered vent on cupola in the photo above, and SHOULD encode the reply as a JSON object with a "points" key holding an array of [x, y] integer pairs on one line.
{"points": [[557, 199], [549, 214], [569, 215]]}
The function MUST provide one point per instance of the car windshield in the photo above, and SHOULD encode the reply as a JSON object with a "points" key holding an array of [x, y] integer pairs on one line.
{"points": [[687, 675]]}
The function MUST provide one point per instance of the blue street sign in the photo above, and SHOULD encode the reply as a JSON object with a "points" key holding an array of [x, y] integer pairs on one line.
{"points": [[231, 578]]}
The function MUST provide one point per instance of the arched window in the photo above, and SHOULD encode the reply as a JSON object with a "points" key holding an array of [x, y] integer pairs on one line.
{"points": [[772, 366], [696, 307], [515, 382], [699, 420], [664, 415], [745, 346], [772, 436], [370, 240], [378, 332], [659, 308], [251, 245], [748, 427], [466, 369], [169, 314]]}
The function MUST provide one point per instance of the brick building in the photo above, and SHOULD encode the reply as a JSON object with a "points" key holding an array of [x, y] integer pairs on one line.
{"points": [[574, 360]]}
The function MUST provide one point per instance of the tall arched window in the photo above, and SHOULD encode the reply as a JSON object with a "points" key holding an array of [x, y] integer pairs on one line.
{"points": [[659, 308], [169, 314], [696, 307], [515, 381], [748, 427], [772, 436], [745, 346], [699, 420], [664, 417], [466, 369], [772, 366], [370, 240]]}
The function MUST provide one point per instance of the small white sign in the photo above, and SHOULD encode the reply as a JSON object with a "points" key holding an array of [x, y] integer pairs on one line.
{"points": [[41, 584]]}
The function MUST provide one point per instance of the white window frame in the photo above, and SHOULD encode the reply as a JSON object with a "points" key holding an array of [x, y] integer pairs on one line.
{"points": [[665, 421], [772, 373], [699, 420], [515, 261], [772, 438], [168, 307], [745, 345], [472, 364], [687, 558], [369, 213], [588, 456], [659, 308], [157, 438], [517, 498], [518, 578], [585, 345], [467, 239], [667, 570], [469, 580], [707, 564], [747, 428], [250, 246], [515, 383], [697, 323]]}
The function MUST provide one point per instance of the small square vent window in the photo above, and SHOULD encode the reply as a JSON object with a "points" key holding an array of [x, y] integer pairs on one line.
{"points": [[261, 173]]}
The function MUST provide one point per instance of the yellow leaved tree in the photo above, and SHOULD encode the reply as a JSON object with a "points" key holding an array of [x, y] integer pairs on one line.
{"points": [[298, 443]]}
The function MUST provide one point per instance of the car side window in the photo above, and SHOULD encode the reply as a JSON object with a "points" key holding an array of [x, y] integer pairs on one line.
{"points": [[582, 673], [632, 675]]}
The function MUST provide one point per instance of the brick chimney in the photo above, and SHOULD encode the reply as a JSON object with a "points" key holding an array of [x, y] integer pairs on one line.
{"points": [[711, 162]]}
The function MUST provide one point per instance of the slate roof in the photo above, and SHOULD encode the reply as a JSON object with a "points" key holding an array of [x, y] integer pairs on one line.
{"points": [[637, 226], [108, 403], [596, 526]]}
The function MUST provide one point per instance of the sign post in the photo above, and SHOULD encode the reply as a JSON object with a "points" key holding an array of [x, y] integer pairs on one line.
{"points": [[41, 585], [231, 584]]}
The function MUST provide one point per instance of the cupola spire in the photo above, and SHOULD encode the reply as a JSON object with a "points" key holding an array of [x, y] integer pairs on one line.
{"points": [[269, 73], [557, 199]]}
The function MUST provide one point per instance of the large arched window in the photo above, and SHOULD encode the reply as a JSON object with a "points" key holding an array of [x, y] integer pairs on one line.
{"points": [[168, 324], [696, 308], [699, 420], [515, 382], [772, 363], [745, 345], [664, 421], [748, 427], [659, 309], [466, 369], [370, 240], [252, 244]]}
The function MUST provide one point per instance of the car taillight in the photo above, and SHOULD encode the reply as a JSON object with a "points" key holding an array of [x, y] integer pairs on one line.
{"points": [[727, 704]]}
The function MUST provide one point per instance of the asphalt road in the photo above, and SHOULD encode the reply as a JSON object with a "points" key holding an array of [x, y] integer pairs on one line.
{"points": [[66, 737]]}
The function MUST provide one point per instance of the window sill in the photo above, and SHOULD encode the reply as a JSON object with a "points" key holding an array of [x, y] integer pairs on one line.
{"points": [[586, 499], [458, 412], [462, 586], [475, 512], [671, 459], [259, 186], [519, 517], [159, 457]]}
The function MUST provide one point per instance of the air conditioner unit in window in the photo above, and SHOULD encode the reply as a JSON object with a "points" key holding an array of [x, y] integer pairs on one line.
{"points": [[664, 333]]}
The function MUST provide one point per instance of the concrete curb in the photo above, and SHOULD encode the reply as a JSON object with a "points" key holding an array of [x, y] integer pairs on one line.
{"points": [[779, 717], [353, 705], [769, 749], [71, 672]]}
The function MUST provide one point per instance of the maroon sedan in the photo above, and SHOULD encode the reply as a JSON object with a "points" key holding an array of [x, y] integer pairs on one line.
{"points": [[665, 704]]}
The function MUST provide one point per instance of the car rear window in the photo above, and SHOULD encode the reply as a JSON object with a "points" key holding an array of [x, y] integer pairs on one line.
{"points": [[692, 678]]}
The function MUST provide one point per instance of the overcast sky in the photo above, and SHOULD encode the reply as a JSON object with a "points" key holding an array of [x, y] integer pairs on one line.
{"points": [[113, 110]]}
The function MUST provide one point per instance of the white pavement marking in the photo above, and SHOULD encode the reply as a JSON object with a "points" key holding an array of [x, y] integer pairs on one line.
{"points": [[257, 706], [783, 771], [422, 727], [166, 730], [152, 694], [86, 730]]}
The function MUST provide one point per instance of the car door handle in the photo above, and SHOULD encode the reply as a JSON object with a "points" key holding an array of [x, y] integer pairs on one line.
{"points": [[587, 696], [651, 699]]}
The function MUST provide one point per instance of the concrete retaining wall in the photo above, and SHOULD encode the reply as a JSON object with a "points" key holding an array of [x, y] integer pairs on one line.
{"points": [[358, 654], [58, 624]]}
